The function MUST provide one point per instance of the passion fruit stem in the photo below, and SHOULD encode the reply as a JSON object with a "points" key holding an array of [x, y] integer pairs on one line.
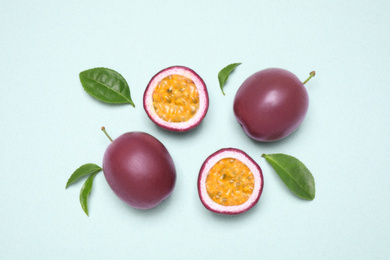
{"points": [[105, 132], [312, 74]]}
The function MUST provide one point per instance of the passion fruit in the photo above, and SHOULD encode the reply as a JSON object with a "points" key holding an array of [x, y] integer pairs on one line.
{"points": [[230, 182], [271, 104], [139, 169], [176, 99]]}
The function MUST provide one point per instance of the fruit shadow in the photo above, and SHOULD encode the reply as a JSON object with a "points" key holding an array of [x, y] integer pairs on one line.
{"points": [[237, 217], [278, 143], [153, 212], [174, 134]]}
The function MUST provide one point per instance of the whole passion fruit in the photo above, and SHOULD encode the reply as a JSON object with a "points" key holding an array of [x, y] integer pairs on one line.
{"points": [[139, 169], [230, 182], [176, 99], [271, 104]]}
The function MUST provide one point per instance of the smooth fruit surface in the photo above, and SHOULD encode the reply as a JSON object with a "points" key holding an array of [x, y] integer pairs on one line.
{"points": [[176, 99], [271, 104], [139, 169], [230, 182]]}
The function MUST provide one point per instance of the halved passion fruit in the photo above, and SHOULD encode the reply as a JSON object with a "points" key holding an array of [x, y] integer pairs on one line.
{"points": [[176, 99], [230, 182]]}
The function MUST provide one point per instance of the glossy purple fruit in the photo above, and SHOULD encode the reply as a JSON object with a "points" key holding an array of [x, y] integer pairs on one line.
{"points": [[271, 104], [139, 169]]}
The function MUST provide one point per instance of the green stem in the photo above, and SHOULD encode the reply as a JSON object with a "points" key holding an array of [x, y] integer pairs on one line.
{"points": [[104, 130], [312, 74]]}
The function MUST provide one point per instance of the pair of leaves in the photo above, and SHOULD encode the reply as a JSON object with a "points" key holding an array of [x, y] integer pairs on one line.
{"points": [[294, 174], [106, 85], [109, 86], [90, 170]]}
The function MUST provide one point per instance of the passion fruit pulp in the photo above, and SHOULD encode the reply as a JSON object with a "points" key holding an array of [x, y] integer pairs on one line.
{"points": [[176, 99], [230, 182], [139, 169]]}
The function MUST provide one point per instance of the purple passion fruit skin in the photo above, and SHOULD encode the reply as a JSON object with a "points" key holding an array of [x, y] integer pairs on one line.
{"points": [[271, 104], [168, 103], [139, 169], [208, 165]]}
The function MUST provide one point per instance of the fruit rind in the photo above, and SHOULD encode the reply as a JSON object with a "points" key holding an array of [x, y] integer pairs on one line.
{"points": [[203, 99], [248, 161]]}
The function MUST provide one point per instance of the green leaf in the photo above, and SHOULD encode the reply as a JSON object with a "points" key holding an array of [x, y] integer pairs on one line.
{"points": [[82, 171], [294, 174], [84, 192], [223, 75], [106, 85]]}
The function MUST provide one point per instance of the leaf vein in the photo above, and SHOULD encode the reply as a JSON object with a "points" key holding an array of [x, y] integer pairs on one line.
{"points": [[108, 87], [290, 177]]}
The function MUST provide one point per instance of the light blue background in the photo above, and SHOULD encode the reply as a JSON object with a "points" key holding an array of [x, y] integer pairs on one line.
{"points": [[50, 126]]}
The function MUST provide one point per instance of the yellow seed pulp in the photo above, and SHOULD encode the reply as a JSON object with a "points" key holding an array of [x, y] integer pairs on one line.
{"points": [[176, 98], [230, 182]]}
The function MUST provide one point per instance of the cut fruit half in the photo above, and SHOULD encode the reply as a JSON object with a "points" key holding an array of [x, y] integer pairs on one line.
{"points": [[230, 182], [176, 99]]}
